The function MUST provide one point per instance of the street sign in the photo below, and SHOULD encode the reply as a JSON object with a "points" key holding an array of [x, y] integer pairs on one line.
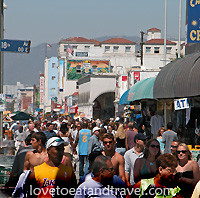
{"points": [[15, 46]]}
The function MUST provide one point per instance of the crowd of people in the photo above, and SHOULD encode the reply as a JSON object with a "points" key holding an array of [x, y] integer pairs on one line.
{"points": [[100, 158]]}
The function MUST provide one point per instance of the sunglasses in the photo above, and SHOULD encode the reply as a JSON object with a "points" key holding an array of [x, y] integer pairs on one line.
{"points": [[174, 146], [109, 169], [108, 142], [183, 151], [154, 146]]}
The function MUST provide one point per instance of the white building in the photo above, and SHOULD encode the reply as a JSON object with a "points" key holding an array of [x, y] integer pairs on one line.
{"points": [[153, 50]]}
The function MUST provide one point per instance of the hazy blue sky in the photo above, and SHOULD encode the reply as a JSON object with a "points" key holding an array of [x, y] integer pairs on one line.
{"points": [[51, 20]]}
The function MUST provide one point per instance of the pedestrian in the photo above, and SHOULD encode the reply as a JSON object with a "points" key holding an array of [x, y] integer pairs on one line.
{"points": [[168, 137], [117, 159], [130, 134], [131, 156], [82, 140], [93, 143], [121, 139], [49, 130], [187, 170], [161, 130], [103, 172], [145, 167], [162, 185], [52, 176]]}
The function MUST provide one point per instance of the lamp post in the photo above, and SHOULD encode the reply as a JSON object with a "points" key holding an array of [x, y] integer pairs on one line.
{"points": [[165, 34], [1, 65], [179, 34]]}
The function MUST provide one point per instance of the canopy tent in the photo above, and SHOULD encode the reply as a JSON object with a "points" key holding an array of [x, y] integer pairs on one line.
{"points": [[142, 90], [22, 116], [123, 99], [179, 79]]}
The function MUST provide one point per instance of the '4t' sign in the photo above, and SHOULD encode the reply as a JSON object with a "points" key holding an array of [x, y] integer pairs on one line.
{"points": [[181, 104]]}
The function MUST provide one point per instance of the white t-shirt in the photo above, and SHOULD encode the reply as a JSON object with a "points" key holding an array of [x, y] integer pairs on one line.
{"points": [[91, 188]]}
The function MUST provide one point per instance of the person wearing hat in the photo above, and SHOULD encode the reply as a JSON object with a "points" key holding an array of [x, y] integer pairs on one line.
{"points": [[131, 156], [93, 143], [52, 176]]}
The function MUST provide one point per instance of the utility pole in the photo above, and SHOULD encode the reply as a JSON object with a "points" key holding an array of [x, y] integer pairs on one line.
{"points": [[165, 35], [141, 44], [179, 34], [1, 66]]}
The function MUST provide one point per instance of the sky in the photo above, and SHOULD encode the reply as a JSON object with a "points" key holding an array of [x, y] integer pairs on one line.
{"points": [[49, 21]]}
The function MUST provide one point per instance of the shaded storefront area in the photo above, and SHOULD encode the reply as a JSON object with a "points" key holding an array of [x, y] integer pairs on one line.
{"points": [[103, 106], [175, 95], [179, 81]]}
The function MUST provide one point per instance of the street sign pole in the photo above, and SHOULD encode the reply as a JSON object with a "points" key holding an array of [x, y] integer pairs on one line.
{"points": [[1, 67]]}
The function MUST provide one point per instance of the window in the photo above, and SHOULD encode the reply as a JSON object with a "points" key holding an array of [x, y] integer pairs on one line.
{"points": [[168, 50], [148, 49], [53, 65], [53, 77], [65, 48], [53, 89], [107, 48], [94, 69], [75, 46], [127, 49], [87, 47], [156, 50], [115, 48], [78, 69]]}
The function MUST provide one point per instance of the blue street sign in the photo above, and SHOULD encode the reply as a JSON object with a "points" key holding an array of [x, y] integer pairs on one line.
{"points": [[15, 46]]}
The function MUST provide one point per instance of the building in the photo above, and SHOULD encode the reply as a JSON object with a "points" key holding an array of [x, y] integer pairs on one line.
{"points": [[96, 96], [153, 50], [50, 82]]}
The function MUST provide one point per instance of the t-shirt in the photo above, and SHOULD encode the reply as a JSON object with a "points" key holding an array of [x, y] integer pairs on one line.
{"points": [[130, 158], [47, 177], [168, 137], [84, 135], [130, 138], [91, 188]]}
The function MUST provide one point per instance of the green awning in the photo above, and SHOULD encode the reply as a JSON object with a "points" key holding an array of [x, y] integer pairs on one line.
{"points": [[142, 90]]}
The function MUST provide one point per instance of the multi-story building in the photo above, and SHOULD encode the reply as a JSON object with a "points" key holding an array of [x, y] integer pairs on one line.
{"points": [[78, 57], [153, 49], [50, 82]]}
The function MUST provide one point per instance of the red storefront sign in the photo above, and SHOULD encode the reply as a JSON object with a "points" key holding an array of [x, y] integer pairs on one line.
{"points": [[136, 76], [74, 109]]}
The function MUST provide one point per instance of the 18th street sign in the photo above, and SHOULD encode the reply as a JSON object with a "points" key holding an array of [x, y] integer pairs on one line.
{"points": [[15, 46]]}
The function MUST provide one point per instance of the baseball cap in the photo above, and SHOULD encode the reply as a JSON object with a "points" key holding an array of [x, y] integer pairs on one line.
{"points": [[18, 122], [139, 136], [117, 119], [96, 129], [54, 141]]}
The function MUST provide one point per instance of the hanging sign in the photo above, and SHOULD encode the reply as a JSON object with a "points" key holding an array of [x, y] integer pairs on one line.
{"points": [[181, 104]]}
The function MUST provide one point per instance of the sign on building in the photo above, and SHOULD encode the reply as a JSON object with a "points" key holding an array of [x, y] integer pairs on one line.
{"points": [[136, 76], [41, 91], [81, 54], [193, 22], [181, 104], [2, 102]]}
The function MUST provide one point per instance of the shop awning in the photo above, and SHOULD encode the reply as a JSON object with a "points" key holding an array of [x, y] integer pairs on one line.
{"points": [[179, 79], [142, 90], [123, 99]]}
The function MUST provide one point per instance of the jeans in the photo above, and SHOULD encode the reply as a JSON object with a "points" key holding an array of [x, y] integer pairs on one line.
{"points": [[121, 151], [81, 165]]}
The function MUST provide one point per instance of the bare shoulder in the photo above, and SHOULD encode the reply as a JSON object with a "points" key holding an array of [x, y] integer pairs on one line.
{"points": [[29, 153], [118, 156], [193, 163]]}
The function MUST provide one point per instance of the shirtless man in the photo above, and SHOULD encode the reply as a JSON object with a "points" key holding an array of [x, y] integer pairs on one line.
{"points": [[116, 159], [39, 155]]}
